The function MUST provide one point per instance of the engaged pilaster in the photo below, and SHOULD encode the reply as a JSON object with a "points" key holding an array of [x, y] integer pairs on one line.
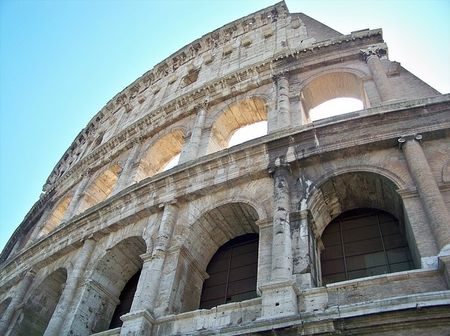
{"points": [[372, 56], [68, 294], [279, 297], [283, 104], [126, 175], [430, 195], [140, 316], [281, 244], [76, 198], [191, 149], [16, 301]]}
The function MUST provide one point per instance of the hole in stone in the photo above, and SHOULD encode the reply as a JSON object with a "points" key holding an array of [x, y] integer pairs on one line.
{"points": [[277, 304]]}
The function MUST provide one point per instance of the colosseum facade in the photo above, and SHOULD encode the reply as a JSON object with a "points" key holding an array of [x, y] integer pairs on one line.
{"points": [[317, 227]]}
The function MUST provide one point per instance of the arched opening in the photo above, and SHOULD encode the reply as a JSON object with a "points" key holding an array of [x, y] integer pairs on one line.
{"points": [[217, 227], [162, 155], [125, 301], [100, 188], [172, 162], [248, 132], [232, 272], [235, 116], [112, 285], [348, 211], [363, 242], [38, 309], [56, 216], [334, 107], [340, 92]]}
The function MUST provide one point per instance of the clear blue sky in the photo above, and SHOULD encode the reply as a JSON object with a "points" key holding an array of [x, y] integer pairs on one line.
{"points": [[61, 61]]}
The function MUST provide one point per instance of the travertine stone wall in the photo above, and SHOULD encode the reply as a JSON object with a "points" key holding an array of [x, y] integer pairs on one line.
{"points": [[110, 209]]}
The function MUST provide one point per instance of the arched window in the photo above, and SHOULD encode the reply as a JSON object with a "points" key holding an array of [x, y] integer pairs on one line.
{"points": [[234, 117], [361, 243], [248, 132], [339, 92], [126, 300], [172, 162], [56, 216], [335, 107], [162, 155], [232, 272], [100, 188]]}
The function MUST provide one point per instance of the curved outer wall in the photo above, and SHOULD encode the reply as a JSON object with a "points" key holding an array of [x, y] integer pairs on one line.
{"points": [[110, 209]]}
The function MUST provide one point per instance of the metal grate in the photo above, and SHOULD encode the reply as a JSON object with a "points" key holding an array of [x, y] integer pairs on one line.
{"points": [[232, 272], [362, 243]]}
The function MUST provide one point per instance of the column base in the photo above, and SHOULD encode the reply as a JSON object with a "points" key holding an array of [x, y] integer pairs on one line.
{"points": [[279, 299], [139, 323]]}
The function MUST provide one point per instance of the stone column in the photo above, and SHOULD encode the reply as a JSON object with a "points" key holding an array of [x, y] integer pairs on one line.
{"points": [[283, 104], [191, 148], [140, 318], [279, 296], [128, 168], [430, 195], [76, 198], [17, 300], [264, 251], [70, 289], [372, 56], [302, 238], [281, 243]]}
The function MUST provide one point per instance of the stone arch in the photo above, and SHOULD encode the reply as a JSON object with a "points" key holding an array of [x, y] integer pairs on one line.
{"points": [[346, 191], [342, 191], [56, 216], [40, 305], [260, 211], [235, 116], [108, 278], [160, 152], [215, 227], [399, 182], [341, 83], [220, 224], [100, 187]]}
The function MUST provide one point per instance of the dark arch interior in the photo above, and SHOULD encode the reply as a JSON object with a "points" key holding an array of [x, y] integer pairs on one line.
{"points": [[361, 243], [126, 300], [38, 309], [232, 272]]}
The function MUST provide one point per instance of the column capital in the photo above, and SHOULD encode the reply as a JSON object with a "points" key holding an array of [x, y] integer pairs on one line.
{"points": [[278, 167], [31, 273], [280, 75], [264, 222], [91, 237], [405, 138], [379, 50], [202, 105], [172, 202]]}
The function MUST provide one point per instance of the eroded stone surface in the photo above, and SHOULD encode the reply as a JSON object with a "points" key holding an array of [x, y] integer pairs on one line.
{"points": [[110, 209]]}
